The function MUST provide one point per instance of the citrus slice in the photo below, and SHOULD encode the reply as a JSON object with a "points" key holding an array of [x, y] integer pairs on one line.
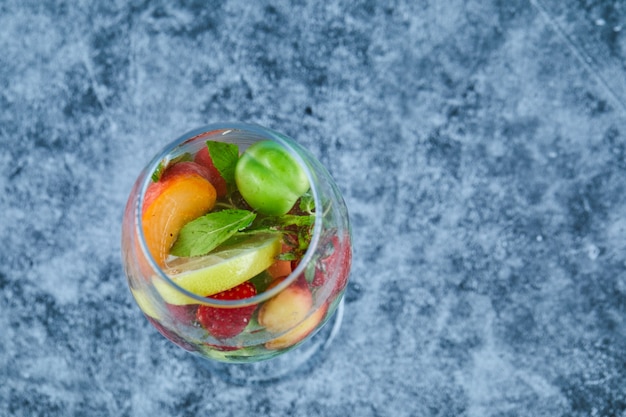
{"points": [[145, 303], [220, 270]]}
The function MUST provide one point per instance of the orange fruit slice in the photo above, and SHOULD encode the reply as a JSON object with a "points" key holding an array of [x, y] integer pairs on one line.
{"points": [[169, 205]]}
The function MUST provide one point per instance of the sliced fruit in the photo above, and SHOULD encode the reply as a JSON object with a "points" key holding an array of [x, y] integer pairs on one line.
{"points": [[334, 265], [221, 270], [204, 158], [222, 348], [181, 195], [281, 268], [224, 323], [182, 314], [145, 303], [172, 335], [287, 309], [166, 163], [184, 168], [298, 333]]}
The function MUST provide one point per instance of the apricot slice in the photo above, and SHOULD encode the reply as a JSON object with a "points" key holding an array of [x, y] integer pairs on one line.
{"points": [[280, 268], [179, 197], [299, 332], [287, 309]]}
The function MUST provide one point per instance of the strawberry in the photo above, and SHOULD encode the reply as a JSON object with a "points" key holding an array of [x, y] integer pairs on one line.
{"points": [[336, 263], [224, 323]]}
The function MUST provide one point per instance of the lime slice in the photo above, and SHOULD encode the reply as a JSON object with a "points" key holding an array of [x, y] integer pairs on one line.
{"points": [[220, 270]]}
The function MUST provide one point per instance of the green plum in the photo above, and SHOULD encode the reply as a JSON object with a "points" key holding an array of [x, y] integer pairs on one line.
{"points": [[269, 178]]}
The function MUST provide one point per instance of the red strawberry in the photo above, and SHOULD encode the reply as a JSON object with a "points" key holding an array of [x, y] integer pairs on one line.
{"points": [[224, 323], [336, 263]]}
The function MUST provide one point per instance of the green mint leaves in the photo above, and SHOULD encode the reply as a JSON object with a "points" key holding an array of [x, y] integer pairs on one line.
{"points": [[224, 157], [156, 175], [202, 235], [307, 202], [229, 225], [285, 220]]}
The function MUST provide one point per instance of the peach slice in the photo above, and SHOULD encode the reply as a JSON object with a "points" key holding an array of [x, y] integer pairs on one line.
{"points": [[181, 195], [287, 309], [185, 168], [204, 159], [280, 268], [298, 333]]}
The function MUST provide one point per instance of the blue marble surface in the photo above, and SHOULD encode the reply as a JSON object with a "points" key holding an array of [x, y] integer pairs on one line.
{"points": [[481, 149]]}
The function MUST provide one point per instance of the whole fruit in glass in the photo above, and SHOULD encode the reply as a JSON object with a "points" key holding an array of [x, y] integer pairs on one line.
{"points": [[236, 243]]}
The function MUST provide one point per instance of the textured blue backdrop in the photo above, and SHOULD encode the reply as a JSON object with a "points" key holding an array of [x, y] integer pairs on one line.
{"points": [[480, 146]]}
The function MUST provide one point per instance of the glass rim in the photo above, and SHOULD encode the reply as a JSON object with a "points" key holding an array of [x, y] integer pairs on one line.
{"points": [[229, 127]]}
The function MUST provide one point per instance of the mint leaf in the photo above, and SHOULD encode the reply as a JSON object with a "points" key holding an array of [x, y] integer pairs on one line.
{"points": [[307, 202], [202, 235], [309, 272], [287, 256], [285, 220], [224, 157], [156, 175], [293, 220], [261, 281]]}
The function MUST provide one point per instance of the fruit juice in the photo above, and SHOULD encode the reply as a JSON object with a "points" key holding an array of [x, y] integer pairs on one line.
{"points": [[236, 243]]}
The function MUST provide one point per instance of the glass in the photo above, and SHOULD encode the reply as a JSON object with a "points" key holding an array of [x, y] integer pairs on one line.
{"points": [[286, 312]]}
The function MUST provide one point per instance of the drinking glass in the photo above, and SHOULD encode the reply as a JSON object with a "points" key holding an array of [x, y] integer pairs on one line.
{"points": [[290, 320]]}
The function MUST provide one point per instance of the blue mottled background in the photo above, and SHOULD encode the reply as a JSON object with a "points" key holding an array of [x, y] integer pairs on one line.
{"points": [[480, 146]]}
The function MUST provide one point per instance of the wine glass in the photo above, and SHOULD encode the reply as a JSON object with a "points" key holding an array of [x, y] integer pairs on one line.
{"points": [[252, 306]]}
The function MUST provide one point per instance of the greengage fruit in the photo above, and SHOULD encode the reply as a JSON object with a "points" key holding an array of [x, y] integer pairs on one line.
{"points": [[269, 178]]}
